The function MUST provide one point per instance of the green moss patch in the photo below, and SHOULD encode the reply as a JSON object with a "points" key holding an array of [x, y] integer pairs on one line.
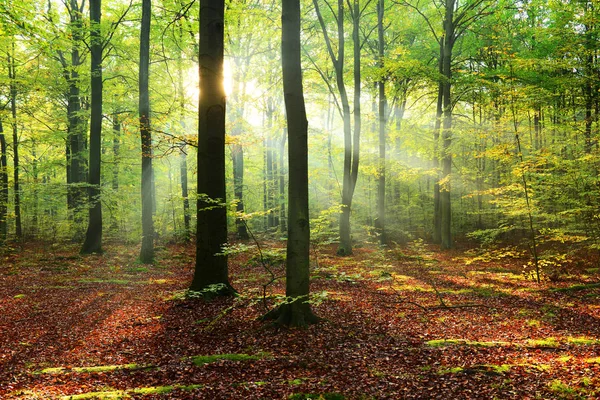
{"points": [[577, 288], [126, 394], [94, 369], [463, 342], [201, 360]]}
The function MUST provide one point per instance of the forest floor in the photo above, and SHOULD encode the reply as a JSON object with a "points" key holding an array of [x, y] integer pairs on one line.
{"points": [[400, 323]]}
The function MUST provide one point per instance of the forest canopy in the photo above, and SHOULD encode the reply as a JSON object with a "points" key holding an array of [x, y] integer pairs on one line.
{"points": [[458, 120]]}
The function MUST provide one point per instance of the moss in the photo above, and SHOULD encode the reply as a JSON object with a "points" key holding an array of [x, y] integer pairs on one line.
{"points": [[465, 342], [201, 360], [126, 394], [93, 369], [577, 288], [548, 342], [559, 387], [316, 396], [582, 340]]}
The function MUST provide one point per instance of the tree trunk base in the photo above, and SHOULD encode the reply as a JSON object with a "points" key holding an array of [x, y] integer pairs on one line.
{"points": [[344, 251], [292, 315]]}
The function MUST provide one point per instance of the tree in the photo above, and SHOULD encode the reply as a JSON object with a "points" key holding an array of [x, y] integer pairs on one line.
{"points": [[211, 230], [296, 311], [3, 187], [12, 76], [147, 250], [93, 236], [382, 117], [351, 138]]}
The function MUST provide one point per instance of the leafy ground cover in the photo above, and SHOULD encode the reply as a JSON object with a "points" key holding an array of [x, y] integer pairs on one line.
{"points": [[405, 322]]}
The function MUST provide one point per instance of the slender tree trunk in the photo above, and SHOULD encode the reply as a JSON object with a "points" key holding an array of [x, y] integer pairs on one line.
{"points": [[211, 261], [12, 75], [3, 187], [183, 170], [445, 198], [76, 132], [116, 128], [93, 236], [297, 311], [35, 173], [382, 111], [437, 219], [282, 210], [147, 250], [351, 150]]}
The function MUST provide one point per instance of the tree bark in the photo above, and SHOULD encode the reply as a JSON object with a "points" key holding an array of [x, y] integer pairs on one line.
{"points": [[3, 187], [147, 250], [382, 111], [211, 229], [76, 133], [12, 75], [445, 198], [296, 312], [93, 236]]}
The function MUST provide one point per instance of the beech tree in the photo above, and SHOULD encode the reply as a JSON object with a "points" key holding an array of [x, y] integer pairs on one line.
{"points": [[211, 270], [93, 236], [296, 311], [147, 250]]}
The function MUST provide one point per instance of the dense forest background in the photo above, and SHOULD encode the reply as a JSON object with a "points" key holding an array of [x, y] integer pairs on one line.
{"points": [[443, 121]]}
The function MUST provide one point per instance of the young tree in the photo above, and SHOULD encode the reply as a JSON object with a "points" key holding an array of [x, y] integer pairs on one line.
{"points": [[12, 76], [351, 138], [93, 236], [147, 251], [211, 229], [3, 187], [297, 311]]}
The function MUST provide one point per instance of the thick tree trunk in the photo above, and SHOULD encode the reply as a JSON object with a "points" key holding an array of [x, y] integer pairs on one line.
{"points": [[211, 231], [382, 110], [147, 250], [93, 236], [296, 312]]}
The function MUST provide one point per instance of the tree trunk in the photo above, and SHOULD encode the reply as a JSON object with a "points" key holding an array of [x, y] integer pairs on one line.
{"points": [[76, 133], [437, 220], [147, 250], [15, 137], [211, 261], [297, 311], [445, 205], [282, 210], [3, 187], [351, 150], [183, 170], [93, 236], [380, 223]]}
